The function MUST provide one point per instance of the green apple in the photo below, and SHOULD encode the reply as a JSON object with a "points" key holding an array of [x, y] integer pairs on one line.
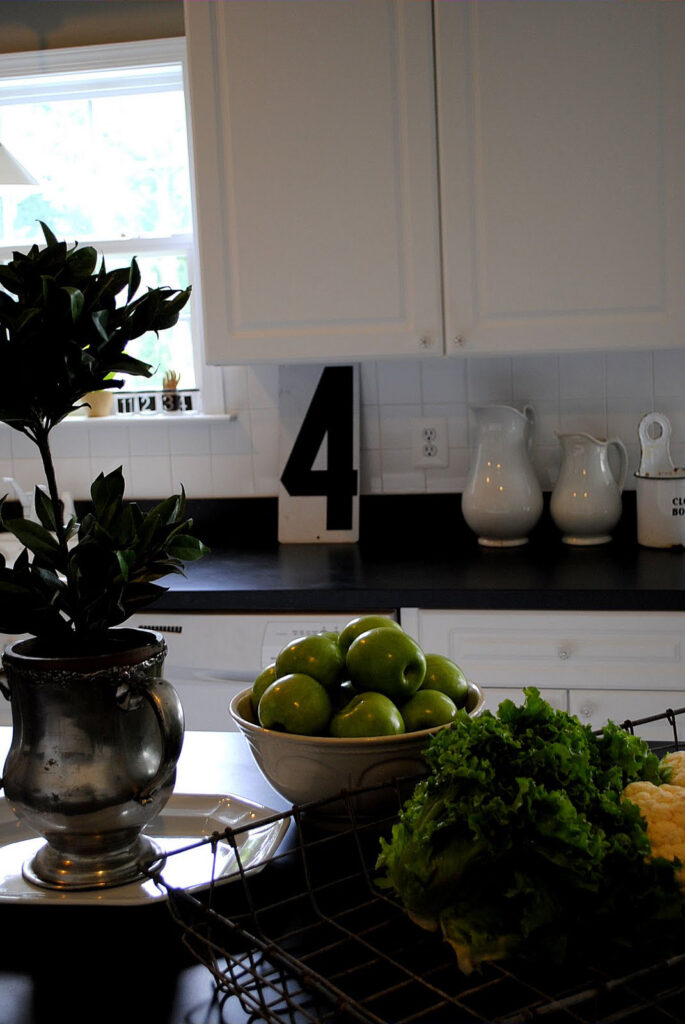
{"points": [[367, 714], [386, 659], [265, 678], [427, 709], [296, 703], [445, 675], [361, 624], [317, 655]]}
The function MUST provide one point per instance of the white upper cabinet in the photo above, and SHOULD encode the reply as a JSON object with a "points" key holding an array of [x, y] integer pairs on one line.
{"points": [[541, 199], [316, 183], [562, 169]]}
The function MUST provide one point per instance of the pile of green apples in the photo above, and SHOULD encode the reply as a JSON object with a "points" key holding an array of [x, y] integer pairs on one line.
{"points": [[371, 679]]}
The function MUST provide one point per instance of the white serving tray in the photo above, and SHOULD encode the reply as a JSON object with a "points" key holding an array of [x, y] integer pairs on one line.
{"points": [[185, 819]]}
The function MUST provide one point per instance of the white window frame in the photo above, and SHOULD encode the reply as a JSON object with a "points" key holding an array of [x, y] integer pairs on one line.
{"points": [[139, 54]]}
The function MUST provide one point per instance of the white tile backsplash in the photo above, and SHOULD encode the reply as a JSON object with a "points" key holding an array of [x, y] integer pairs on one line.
{"points": [[669, 373], [630, 375], [582, 375], [443, 381], [583, 413], [604, 394], [148, 438], [150, 476], [489, 380], [535, 377], [395, 423], [368, 383], [194, 473], [107, 437], [262, 387], [190, 437], [399, 382]]}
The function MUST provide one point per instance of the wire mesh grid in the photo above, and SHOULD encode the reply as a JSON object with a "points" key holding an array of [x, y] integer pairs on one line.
{"points": [[311, 938]]}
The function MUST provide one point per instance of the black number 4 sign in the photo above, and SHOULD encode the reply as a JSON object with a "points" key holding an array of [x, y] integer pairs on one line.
{"points": [[320, 478]]}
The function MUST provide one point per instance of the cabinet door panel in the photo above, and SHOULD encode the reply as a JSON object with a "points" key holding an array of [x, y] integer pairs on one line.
{"points": [[562, 169], [316, 179]]}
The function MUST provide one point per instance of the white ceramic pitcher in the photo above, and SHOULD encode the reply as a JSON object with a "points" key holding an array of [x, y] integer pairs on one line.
{"points": [[502, 500], [586, 500]]}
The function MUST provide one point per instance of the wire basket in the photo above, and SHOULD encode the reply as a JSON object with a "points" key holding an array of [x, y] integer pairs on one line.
{"points": [[311, 939]]}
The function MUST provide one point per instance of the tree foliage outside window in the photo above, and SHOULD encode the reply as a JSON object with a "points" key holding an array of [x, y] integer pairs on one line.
{"points": [[109, 149]]}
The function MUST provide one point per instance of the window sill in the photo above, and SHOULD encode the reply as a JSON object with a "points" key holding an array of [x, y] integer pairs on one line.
{"points": [[152, 417]]}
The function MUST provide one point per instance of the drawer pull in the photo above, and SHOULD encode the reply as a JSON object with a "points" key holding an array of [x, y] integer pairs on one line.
{"points": [[563, 653], [586, 711]]}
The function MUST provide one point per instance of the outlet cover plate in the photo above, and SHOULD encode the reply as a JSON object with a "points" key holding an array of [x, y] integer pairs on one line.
{"points": [[429, 442]]}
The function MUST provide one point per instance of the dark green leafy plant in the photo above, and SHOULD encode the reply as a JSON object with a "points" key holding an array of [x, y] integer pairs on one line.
{"points": [[64, 328], [519, 843]]}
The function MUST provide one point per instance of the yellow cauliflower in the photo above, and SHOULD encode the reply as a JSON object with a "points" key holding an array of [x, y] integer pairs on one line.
{"points": [[663, 808], [672, 768]]}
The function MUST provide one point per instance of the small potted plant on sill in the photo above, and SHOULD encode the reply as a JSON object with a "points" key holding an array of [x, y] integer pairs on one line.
{"points": [[170, 398], [96, 730]]}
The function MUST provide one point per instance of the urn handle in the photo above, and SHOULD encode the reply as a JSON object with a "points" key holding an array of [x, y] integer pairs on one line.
{"points": [[166, 705]]}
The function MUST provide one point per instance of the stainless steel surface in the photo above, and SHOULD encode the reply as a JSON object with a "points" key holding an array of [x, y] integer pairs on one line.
{"points": [[92, 761]]}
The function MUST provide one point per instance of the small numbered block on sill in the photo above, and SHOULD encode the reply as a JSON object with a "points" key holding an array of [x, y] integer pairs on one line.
{"points": [[128, 403]]}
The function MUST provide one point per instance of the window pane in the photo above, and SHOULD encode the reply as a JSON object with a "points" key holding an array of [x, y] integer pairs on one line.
{"points": [[172, 350], [110, 167], [110, 151]]}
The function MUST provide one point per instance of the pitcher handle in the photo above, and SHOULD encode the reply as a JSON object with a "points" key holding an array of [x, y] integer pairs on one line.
{"points": [[529, 413], [616, 443], [168, 712]]}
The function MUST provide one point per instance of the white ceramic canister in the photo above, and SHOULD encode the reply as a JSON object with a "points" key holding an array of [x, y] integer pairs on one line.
{"points": [[502, 500], [659, 487]]}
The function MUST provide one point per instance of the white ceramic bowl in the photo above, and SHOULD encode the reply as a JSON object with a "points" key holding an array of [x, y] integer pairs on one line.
{"points": [[310, 768]]}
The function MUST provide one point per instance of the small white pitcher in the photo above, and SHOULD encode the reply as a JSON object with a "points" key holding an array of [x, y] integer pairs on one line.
{"points": [[586, 500]]}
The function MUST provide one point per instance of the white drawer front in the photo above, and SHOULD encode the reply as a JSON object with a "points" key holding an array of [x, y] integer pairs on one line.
{"points": [[596, 709], [572, 650]]}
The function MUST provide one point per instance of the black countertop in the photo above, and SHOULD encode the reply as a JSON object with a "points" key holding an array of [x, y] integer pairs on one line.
{"points": [[416, 551]]}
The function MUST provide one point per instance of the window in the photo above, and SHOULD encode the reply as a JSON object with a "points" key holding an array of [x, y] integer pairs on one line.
{"points": [[104, 131]]}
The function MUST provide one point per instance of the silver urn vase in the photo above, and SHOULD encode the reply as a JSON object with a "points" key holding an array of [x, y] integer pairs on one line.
{"points": [[96, 738]]}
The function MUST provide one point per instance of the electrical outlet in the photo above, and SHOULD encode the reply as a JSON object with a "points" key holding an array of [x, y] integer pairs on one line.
{"points": [[429, 442]]}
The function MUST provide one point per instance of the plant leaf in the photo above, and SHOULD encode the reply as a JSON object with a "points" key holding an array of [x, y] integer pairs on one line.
{"points": [[45, 510], [187, 548], [47, 234], [76, 302], [133, 279], [34, 536]]}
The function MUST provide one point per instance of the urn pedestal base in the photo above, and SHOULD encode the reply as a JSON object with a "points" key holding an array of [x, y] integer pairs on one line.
{"points": [[51, 868]]}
